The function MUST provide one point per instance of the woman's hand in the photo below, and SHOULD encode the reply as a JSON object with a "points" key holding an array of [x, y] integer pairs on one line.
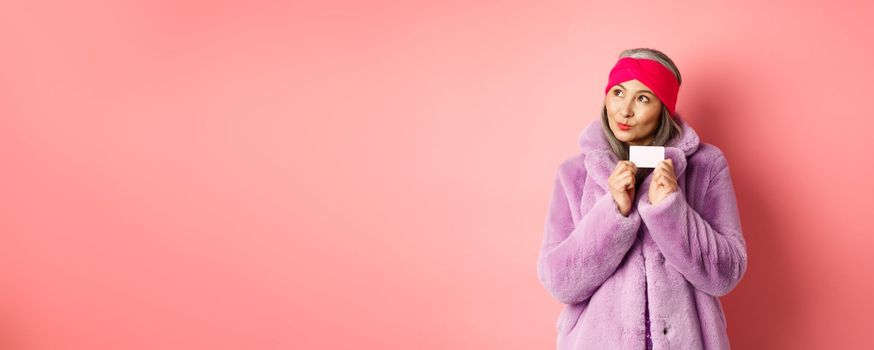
{"points": [[664, 181], [621, 184]]}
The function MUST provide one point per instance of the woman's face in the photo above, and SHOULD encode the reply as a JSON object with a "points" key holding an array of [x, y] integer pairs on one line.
{"points": [[633, 112]]}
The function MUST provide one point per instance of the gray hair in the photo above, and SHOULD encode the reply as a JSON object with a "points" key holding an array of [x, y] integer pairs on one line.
{"points": [[668, 129]]}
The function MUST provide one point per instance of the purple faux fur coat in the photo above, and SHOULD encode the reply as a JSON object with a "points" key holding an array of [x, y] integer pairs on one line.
{"points": [[676, 258]]}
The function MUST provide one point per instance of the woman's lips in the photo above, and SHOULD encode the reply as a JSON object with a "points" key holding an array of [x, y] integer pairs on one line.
{"points": [[624, 126]]}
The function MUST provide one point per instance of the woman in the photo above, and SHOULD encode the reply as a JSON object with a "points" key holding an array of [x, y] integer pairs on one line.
{"points": [[640, 257]]}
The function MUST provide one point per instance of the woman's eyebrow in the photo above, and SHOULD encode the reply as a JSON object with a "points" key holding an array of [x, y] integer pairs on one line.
{"points": [[623, 88]]}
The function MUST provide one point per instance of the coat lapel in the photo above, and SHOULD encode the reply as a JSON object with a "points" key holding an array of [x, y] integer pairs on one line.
{"points": [[600, 160]]}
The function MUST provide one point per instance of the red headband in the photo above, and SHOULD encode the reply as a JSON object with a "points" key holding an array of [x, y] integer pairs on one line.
{"points": [[653, 74]]}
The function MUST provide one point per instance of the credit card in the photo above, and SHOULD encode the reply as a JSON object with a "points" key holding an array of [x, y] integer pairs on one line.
{"points": [[646, 156]]}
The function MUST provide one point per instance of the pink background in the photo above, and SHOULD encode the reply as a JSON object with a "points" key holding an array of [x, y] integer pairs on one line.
{"points": [[374, 175]]}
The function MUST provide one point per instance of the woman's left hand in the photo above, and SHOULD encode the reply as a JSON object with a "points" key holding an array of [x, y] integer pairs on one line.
{"points": [[664, 181]]}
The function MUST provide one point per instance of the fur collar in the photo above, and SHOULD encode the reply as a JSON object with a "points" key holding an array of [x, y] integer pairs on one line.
{"points": [[600, 160]]}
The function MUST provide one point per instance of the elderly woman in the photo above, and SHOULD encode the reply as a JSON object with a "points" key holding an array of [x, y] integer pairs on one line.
{"points": [[640, 257]]}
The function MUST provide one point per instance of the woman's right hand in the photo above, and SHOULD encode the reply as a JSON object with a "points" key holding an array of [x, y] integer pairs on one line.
{"points": [[621, 183]]}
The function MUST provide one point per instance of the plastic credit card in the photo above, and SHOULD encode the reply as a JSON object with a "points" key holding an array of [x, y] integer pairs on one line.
{"points": [[646, 156]]}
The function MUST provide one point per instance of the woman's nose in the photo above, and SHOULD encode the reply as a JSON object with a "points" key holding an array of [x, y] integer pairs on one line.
{"points": [[626, 110]]}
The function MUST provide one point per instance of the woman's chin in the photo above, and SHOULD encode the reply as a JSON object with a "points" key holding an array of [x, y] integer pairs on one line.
{"points": [[622, 137]]}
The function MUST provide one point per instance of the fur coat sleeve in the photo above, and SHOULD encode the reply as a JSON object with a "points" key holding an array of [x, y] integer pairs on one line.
{"points": [[578, 255], [706, 246]]}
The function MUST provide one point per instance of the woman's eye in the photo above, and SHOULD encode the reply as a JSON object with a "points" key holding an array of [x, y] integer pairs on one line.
{"points": [[617, 92], [645, 99]]}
